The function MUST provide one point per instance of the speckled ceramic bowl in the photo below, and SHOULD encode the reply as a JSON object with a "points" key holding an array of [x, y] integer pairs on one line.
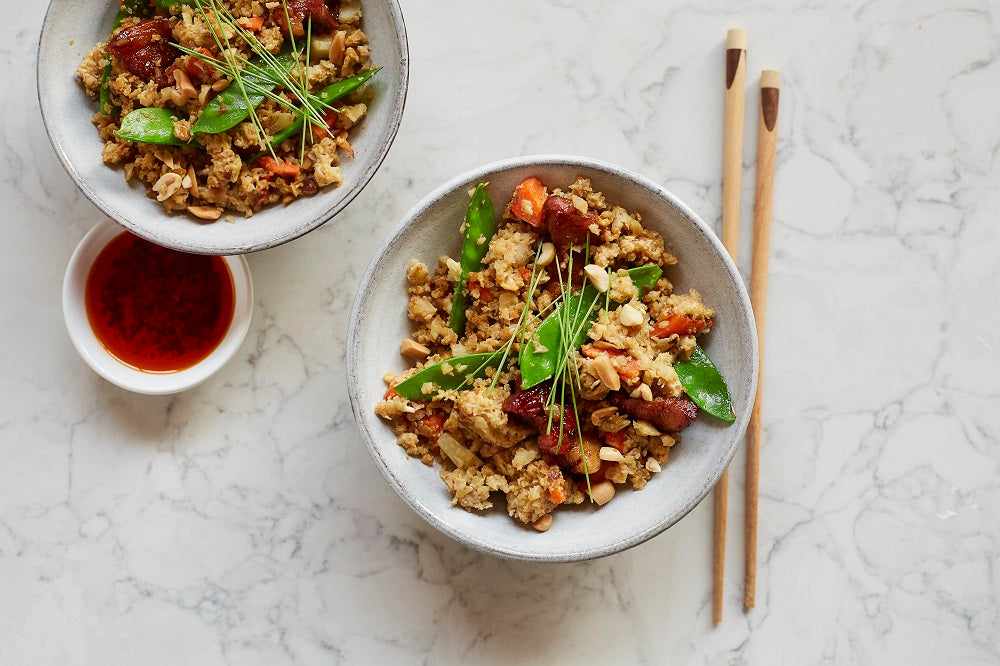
{"points": [[379, 323], [72, 28]]}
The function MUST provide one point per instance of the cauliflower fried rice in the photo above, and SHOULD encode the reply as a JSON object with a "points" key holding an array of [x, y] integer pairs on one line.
{"points": [[224, 174], [628, 423]]}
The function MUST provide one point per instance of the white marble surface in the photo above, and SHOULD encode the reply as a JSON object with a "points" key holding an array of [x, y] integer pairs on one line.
{"points": [[243, 522]]}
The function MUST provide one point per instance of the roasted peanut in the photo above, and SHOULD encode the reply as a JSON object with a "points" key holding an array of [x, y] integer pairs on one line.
{"points": [[611, 454], [547, 254], [205, 212], [598, 277], [606, 372], [603, 492], [167, 186], [412, 349], [544, 523], [629, 316]]}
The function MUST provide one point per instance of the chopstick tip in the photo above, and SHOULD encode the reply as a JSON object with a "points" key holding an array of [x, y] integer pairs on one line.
{"points": [[770, 78], [736, 38]]}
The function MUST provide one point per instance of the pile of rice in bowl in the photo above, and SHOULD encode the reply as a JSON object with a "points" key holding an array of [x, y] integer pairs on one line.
{"points": [[504, 405], [185, 67]]}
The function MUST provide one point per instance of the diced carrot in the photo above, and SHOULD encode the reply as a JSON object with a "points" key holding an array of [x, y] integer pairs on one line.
{"points": [[193, 68], [556, 484], [595, 478], [434, 423], [252, 24], [677, 325], [479, 291], [287, 169], [318, 132], [525, 273], [279, 168], [529, 198], [593, 351], [615, 439], [390, 393], [198, 68], [628, 372], [343, 144]]}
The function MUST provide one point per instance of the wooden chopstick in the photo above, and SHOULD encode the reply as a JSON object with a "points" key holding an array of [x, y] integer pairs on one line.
{"points": [[767, 133], [732, 168], [732, 138]]}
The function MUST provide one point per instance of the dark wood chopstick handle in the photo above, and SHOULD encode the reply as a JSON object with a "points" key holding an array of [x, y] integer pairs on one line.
{"points": [[732, 137]]}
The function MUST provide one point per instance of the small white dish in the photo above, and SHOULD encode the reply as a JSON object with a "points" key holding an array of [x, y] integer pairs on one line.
{"points": [[379, 322], [117, 372]]}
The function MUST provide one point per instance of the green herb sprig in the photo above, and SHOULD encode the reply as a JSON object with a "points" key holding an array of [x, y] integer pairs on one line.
{"points": [[567, 372], [263, 78], [477, 365]]}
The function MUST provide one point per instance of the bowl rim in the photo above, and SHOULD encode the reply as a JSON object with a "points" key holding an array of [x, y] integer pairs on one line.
{"points": [[353, 344], [103, 363], [355, 188]]}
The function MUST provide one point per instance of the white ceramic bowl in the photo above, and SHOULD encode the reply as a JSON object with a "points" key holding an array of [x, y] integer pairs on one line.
{"points": [[379, 323], [73, 27], [109, 367]]}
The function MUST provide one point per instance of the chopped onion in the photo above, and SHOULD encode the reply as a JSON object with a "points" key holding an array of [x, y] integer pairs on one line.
{"points": [[350, 11], [280, 120], [458, 452], [319, 47]]}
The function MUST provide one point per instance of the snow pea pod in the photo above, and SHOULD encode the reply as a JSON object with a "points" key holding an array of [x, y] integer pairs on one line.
{"points": [[153, 125], [480, 226], [644, 278], [705, 386], [331, 93], [230, 107], [540, 355], [140, 8], [450, 374]]}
